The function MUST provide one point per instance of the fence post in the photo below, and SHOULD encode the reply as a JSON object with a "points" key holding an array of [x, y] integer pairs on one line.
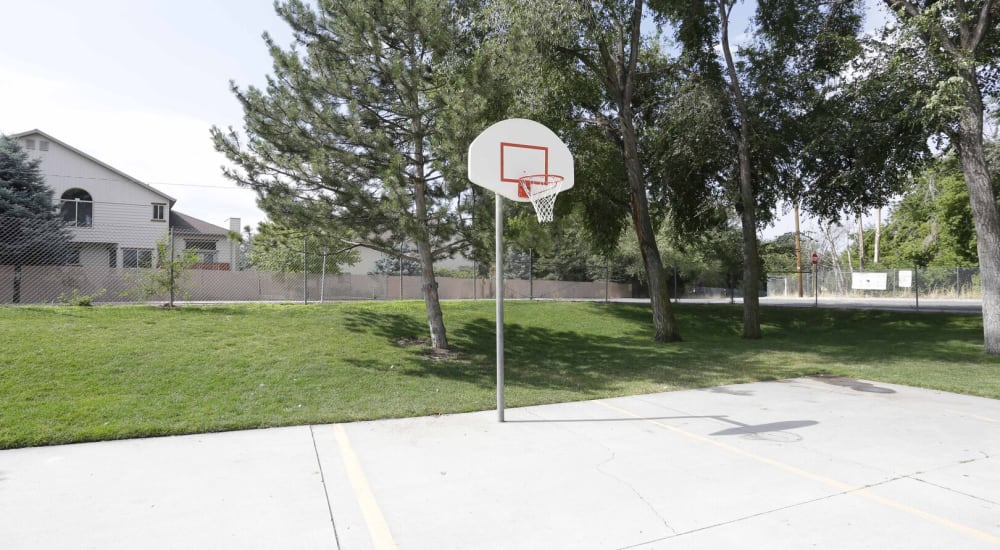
{"points": [[916, 286], [958, 282], [322, 278], [531, 275], [171, 266], [815, 285], [607, 279], [305, 272]]}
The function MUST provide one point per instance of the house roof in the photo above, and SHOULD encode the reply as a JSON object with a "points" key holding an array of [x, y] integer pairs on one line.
{"points": [[95, 161], [190, 225]]}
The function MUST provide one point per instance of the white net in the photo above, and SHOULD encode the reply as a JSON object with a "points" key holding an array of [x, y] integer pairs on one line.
{"points": [[542, 189]]}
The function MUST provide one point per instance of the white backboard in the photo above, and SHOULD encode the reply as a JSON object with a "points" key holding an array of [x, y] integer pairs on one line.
{"points": [[518, 147]]}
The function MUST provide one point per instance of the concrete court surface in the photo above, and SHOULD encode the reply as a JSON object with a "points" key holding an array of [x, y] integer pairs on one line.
{"points": [[803, 463]]}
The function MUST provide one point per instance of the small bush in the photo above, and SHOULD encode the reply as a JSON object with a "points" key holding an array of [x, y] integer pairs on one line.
{"points": [[76, 298]]}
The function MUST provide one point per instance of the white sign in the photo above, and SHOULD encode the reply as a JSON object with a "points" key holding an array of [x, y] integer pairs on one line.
{"points": [[905, 279], [868, 281]]}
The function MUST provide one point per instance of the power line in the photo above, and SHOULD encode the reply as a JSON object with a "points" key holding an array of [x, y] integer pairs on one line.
{"points": [[200, 185]]}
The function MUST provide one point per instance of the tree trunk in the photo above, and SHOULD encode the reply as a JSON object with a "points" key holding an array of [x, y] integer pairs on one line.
{"points": [[619, 65], [984, 209], [748, 202], [664, 323], [428, 283]]}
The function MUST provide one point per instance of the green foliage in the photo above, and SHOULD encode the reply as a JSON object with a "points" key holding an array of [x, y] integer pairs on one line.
{"points": [[345, 138], [76, 298], [786, 73], [31, 232], [778, 255], [279, 249], [401, 260], [932, 226], [169, 276]]}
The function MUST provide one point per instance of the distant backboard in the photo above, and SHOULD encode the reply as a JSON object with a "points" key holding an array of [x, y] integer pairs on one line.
{"points": [[514, 148]]}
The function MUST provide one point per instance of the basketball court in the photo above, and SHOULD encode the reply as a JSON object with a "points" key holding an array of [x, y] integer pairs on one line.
{"points": [[803, 463]]}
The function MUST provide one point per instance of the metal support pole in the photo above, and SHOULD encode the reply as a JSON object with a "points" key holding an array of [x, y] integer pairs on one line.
{"points": [[499, 302], [815, 286], [531, 275], [322, 278], [305, 272], [607, 279], [172, 281], [916, 286]]}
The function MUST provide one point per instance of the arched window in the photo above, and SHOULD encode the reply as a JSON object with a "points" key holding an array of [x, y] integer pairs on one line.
{"points": [[77, 208]]}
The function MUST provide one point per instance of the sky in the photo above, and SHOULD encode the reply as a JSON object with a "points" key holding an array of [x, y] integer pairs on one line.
{"points": [[138, 84]]}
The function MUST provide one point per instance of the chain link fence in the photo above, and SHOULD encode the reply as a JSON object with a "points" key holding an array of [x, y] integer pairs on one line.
{"points": [[930, 282], [75, 258]]}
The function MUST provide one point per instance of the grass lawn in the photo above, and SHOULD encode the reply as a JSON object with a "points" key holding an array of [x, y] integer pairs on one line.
{"points": [[72, 374]]}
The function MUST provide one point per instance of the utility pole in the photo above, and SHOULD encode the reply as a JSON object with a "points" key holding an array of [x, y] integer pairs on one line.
{"points": [[798, 249], [878, 232], [861, 245]]}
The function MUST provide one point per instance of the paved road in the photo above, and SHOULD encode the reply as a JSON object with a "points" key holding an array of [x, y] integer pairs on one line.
{"points": [[803, 463]]}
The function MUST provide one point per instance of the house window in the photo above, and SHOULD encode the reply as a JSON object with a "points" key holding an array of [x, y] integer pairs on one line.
{"points": [[137, 257], [159, 212], [43, 145], [29, 144], [203, 250], [77, 208]]}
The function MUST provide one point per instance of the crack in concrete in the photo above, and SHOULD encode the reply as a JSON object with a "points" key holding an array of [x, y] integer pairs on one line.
{"points": [[326, 490], [986, 456], [600, 468], [736, 520]]}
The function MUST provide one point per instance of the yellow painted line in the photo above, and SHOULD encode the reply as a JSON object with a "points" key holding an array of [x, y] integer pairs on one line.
{"points": [[976, 416], [839, 485], [378, 529]]}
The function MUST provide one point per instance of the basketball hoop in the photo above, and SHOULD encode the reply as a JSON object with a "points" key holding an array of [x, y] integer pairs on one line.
{"points": [[541, 189]]}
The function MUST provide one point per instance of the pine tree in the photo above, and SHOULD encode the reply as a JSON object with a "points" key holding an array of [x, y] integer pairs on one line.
{"points": [[344, 135], [31, 232]]}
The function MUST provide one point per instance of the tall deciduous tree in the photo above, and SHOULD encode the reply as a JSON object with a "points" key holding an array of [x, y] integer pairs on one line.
{"points": [[344, 133], [770, 86], [31, 232], [603, 67], [960, 40]]}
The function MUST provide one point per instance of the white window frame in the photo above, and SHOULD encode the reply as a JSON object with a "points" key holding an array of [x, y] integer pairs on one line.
{"points": [[140, 253]]}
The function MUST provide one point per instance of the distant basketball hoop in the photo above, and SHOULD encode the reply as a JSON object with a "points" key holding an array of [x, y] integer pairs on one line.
{"points": [[542, 189]]}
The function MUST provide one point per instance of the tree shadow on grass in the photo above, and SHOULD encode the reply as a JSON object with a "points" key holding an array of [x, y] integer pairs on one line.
{"points": [[394, 327], [591, 363]]}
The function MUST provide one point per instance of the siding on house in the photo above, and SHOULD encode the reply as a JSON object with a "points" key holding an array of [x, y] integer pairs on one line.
{"points": [[123, 213]]}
